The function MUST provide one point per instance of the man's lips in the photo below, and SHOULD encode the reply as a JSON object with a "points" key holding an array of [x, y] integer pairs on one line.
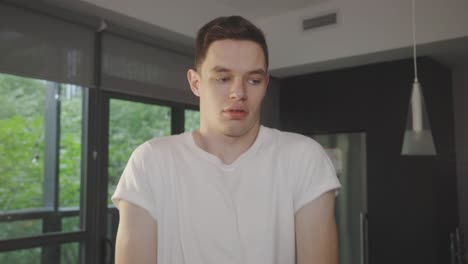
{"points": [[236, 113]]}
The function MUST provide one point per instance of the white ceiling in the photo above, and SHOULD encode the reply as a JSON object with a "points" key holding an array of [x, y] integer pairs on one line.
{"points": [[368, 31], [266, 8]]}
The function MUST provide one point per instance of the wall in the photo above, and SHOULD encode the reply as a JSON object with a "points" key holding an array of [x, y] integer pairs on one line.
{"points": [[460, 95], [412, 203], [270, 116]]}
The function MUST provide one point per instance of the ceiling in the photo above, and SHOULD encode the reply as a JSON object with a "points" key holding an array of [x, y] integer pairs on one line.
{"points": [[266, 8], [368, 31]]}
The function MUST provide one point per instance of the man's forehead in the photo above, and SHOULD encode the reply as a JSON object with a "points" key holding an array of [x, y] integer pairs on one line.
{"points": [[228, 47], [230, 55]]}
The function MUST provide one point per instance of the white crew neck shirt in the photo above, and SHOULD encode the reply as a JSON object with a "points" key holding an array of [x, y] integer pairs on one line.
{"points": [[209, 212]]}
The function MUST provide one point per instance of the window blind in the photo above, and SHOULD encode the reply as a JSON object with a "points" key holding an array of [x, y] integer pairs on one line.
{"points": [[40, 46], [137, 68]]}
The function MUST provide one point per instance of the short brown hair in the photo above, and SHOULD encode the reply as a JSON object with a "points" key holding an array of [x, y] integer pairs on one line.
{"points": [[232, 27]]}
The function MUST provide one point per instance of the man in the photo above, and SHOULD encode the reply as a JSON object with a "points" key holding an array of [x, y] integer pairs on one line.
{"points": [[233, 191]]}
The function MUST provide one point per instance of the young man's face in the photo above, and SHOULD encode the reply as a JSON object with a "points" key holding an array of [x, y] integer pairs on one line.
{"points": [[231, 83]]}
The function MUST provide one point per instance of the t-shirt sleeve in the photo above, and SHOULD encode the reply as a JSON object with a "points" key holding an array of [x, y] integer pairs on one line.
{"points": [[316, 175], [136, 185]]}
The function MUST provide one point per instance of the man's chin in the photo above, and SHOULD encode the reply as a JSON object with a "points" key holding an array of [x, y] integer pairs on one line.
{"points": [[237, 130]]}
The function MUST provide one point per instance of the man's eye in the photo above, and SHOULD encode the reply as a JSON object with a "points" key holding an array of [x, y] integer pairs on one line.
{"points": [[222, 79], [255, 81]]}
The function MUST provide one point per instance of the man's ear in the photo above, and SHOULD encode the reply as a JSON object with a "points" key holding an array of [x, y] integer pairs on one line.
{"points": [[194, 81]]}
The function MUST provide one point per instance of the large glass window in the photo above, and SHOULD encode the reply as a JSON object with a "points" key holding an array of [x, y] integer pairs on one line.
{"points": [[192, 120], [32, 256], [53, 162], [40, 156], [68, 253], [131, 124], [71, 121], [22, 114]]}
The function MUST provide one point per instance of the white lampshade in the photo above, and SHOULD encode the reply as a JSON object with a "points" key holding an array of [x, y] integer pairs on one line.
{"points": [[418, 138]]}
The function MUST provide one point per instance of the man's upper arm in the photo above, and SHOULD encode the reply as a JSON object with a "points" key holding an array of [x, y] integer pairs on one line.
{"points": [[136, 235], [316, 235]]}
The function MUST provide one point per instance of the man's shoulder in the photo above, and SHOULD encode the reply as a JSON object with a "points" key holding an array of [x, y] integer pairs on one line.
{"points": [[159, 145], [293, 141]]}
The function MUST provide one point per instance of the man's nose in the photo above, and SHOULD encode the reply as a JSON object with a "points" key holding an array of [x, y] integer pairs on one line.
{"points": [[238, 90]]}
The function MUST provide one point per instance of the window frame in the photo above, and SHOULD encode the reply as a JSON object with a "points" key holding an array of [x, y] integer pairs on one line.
{"points": [[93, 219], [51, 214], [177, 126]]}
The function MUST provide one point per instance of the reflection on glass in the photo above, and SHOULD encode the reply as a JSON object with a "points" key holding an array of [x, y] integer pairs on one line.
{"points": [[348, 154], [40, 154], [192, 120], [131, 124]]}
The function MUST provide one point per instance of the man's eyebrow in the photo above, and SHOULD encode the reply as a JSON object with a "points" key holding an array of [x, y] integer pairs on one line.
{"points": [[222, 69], [258, 71], [219, 69]]}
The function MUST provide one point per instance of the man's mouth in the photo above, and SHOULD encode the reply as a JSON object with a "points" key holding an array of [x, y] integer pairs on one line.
{"points": [[236, 113]]}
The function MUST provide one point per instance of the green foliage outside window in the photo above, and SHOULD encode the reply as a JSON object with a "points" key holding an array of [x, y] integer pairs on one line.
{"points": [[192, 120], [22, 144], [131, 124]]}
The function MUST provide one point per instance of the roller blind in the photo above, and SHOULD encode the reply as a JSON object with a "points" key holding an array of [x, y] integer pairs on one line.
{"points": [[40, 46], [140, 69]]}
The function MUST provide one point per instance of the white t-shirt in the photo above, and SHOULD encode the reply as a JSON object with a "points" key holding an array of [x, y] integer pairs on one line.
{"points": [[208, 212]]}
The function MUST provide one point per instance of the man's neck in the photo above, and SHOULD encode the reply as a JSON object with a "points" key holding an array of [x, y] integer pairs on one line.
{"points": [[226, 148]]}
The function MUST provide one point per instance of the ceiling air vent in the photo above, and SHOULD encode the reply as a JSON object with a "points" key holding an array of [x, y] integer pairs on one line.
{"points": [[320, 21]]}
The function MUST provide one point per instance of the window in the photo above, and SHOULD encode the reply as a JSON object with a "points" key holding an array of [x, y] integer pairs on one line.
{"points": [[41, 171], [59, 162], [192, 120], [68, 254], [131, 124]]}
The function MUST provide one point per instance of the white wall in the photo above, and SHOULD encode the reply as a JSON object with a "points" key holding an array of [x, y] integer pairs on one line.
{"points": [[460, 95]]}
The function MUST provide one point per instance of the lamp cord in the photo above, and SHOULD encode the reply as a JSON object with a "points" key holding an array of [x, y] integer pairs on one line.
{"points": [[414, 43]]}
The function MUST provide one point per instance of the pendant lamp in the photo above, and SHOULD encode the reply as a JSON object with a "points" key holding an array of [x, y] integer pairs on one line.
{"points": [[418, 138]]}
